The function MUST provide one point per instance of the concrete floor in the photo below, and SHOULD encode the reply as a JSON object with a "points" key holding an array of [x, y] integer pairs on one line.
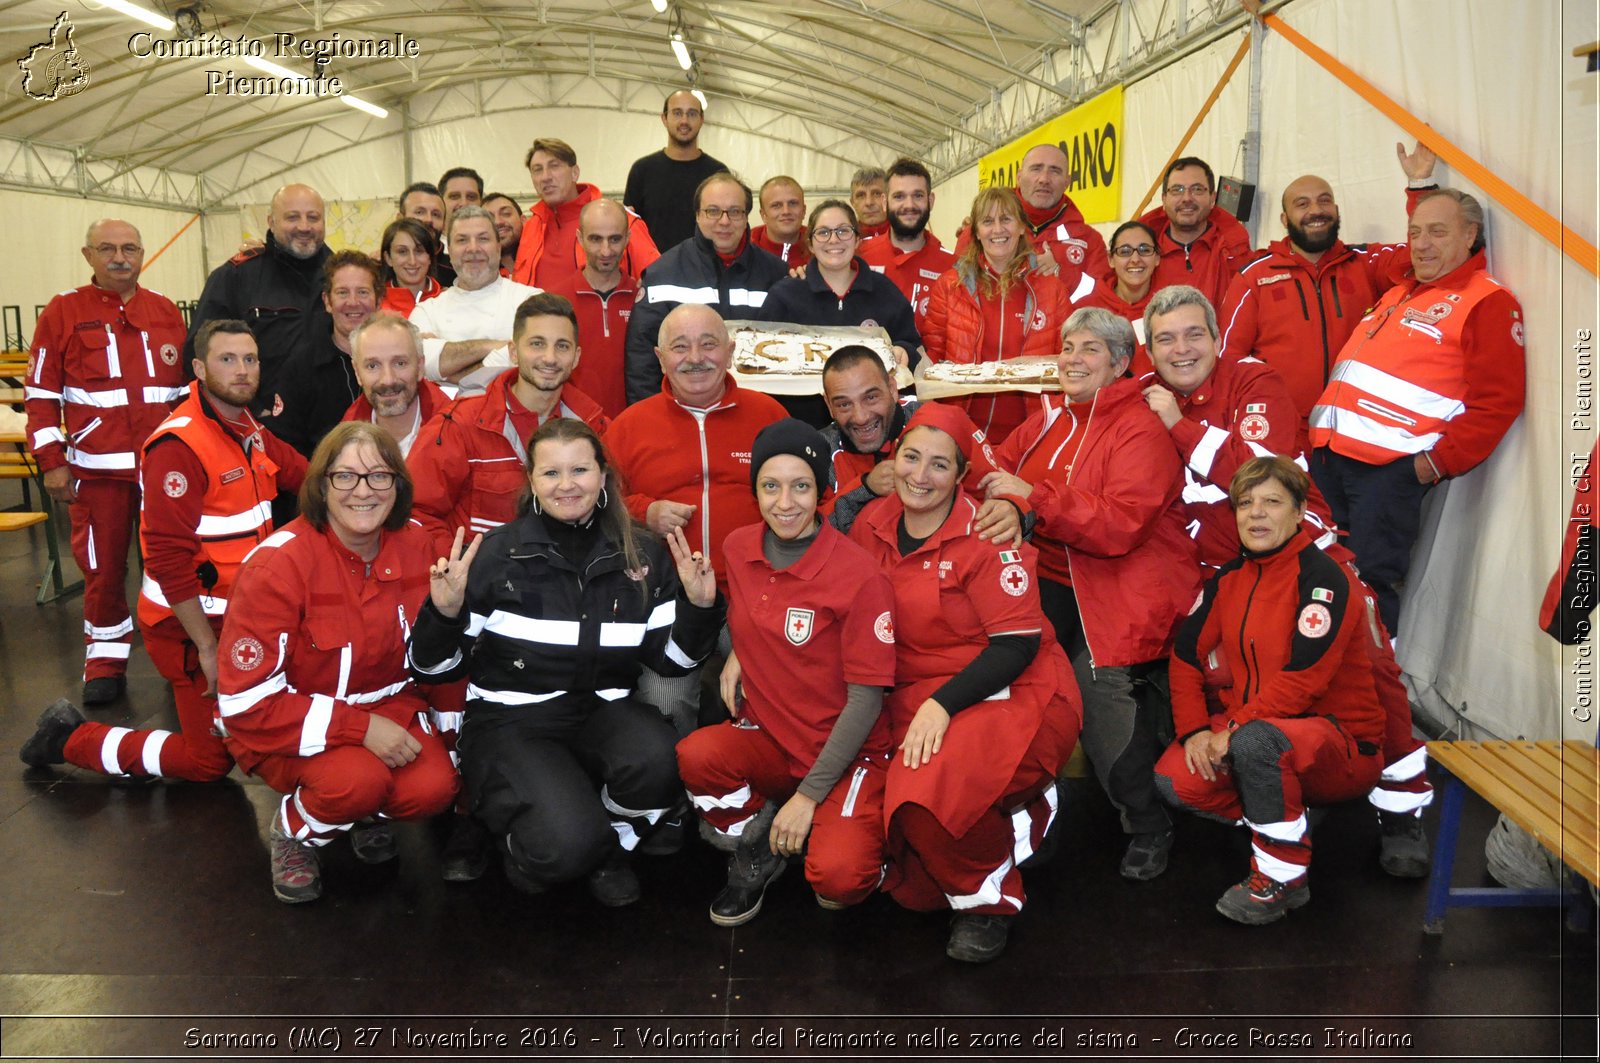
{"points": [[139, 923]]}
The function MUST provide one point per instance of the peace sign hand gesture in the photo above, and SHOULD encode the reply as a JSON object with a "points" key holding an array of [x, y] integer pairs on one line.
{"points": [[447, 577], [694, 571]]}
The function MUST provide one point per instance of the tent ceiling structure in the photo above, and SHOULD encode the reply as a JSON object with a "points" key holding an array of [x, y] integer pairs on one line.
{"points": [[938, 79]]}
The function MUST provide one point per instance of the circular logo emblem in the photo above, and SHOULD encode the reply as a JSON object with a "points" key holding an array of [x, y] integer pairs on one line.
{"points": [[1014, 580], [1039, 320], [869, 323], [1254, 427], [1075, 254], [247, 654], [1315, 621], [883, 627], [175, 484], [277, 405], [169, 353], [1516, 332]]}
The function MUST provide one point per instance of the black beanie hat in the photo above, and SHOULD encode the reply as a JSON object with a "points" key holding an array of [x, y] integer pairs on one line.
{"points": [[793, 436]]}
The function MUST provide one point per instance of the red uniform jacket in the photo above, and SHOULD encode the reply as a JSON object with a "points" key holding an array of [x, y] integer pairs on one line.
{"points": [[1210, 263], [429, 395], [913, 272], [794, 254], [313, 645], [398, 297], [1061, 232], [1288, 627], [666, 452], [640, 253], [603, 338], [115, 368], [468, 467], [1110, 518], [950, 595]]}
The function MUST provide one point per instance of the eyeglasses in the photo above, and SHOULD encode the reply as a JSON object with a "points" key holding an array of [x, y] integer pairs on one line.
{"points": [[128, 250], [843, 232], [717, 213], [1193, 190], [344, 480], [1129, 250], [677, 113]]}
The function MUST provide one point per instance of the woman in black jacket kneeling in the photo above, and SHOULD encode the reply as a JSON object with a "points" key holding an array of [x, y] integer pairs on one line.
{"points": [[550, 617]]}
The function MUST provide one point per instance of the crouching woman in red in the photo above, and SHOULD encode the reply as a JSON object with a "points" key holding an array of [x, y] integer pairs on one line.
{"points": [[1302, 723], [985, 707], [811, 615], [313, 690]]}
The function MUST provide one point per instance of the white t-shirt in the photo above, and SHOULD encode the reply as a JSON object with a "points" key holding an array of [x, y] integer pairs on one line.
{"points": [[484, 314]]}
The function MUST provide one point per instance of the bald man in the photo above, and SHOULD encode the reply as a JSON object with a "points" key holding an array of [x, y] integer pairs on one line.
{"points": [[1298, 302], [602, 293], [106, 361], [1054, 222], [275, 288]]}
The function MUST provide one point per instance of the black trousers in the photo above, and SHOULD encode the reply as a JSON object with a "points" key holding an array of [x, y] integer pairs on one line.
{"points": [[562, 788], [1379, 507]]}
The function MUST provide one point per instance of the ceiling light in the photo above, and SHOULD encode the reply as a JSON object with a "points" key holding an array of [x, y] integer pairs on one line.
{"points": [[659, 5], [362, 105], [267, 66], [145, 15], [681, 50], [697, 94]]}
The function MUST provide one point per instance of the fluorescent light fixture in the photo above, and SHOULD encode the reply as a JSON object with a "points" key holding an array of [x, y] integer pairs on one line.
{"points": [[267, 66], [681, 50], [659, 5], [362, 105], [697, 94], [143, 14]]}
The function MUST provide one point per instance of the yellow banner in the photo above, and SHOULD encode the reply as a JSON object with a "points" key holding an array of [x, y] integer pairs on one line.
{"points": [[1091, 135]]}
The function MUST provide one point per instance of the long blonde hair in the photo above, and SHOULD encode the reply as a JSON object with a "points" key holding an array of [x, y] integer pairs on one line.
{"points": [[971, 263]]}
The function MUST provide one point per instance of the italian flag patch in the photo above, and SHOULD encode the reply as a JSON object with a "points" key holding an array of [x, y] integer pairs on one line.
{"points": [[1255, 407], [1321, 594], [1009, 557]]}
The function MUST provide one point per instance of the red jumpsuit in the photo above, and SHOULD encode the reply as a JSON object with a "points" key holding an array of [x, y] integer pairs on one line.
{"points": [[959, 825], [313, 645], [113, 369], [208, 505], [801, 634], [913, 272], [1303, 710]]}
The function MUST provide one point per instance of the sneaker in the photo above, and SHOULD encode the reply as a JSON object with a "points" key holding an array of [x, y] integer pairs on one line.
{"points": [[104, 690], [751, 869], [373, 841], [977, 938], [48, 744], [613, 883], [1260, 900], [1147, 855], [466, 852], [665, 840], [1403, 851], [296, 876]]}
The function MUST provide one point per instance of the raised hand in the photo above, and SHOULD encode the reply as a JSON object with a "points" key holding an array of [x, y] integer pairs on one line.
{"points": [[694, 571], [447, 577]]}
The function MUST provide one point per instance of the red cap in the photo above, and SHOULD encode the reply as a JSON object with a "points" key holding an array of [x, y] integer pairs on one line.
{"points": [[951, 421]]}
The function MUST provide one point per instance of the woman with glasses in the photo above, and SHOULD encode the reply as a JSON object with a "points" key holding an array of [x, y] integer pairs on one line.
{"points": [[550, 622], [312, 686], [1001, 301], [840, 289], [1134, 251], [407, 253]]}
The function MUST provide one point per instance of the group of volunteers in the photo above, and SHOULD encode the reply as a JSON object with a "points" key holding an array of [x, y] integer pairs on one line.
{"points": [[484, 526]]}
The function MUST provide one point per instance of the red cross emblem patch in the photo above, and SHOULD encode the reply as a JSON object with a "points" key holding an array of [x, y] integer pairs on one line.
{"points": [[175, 484], [1315, 621], [883, 627], [1014, 580], [247, 654], [797, 625], [1254, 427]]}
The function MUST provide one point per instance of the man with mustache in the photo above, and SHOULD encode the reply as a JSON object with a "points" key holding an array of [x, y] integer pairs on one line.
{"points": [[274, 287], [387, 355], [466, 329], [106, 357], [684, 453], [908, 254], [868, 198], [661, 185], [1297, 303]]}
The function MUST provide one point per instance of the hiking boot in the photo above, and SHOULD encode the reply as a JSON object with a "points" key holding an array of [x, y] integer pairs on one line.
{"points": [[48, 743], [751, 869], [1147, 855], [104, 690], [296, 876], [465, 856], [1403, 851], [977, 938], [373, 841], [1260, 900], [613, 883]]}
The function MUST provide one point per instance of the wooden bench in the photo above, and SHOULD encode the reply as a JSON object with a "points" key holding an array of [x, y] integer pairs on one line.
{"points": [[17, 521], [1549, 789], [17, 463]]}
